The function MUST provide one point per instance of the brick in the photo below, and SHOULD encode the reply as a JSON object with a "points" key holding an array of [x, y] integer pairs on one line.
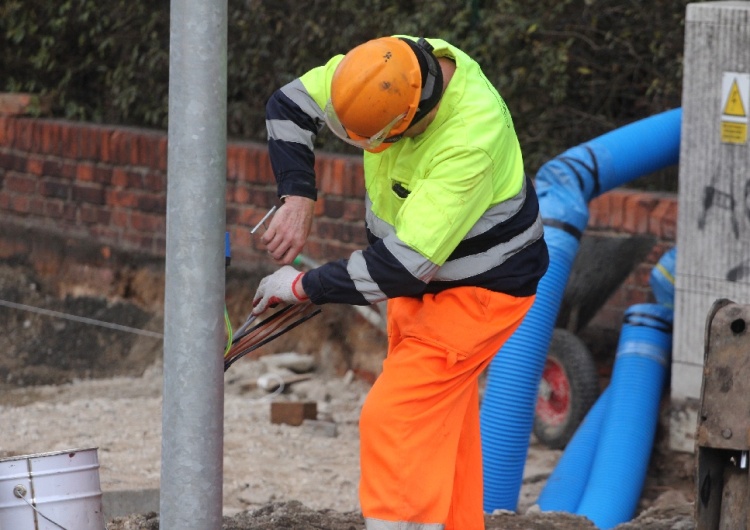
{"points": [[21, 184], [147, 223], [13, 162], [6, 131], [617, 201], [105, 147], [70, 211], [250, 171], [35, 165], [54, 168], [123, 178], [155, 181], [232, 214], [88, 194], [638, 207], [50, 138], [85, 172], [120, 218], [151, 203], [235, 154], [354, 210], [22, 135], [244, 215], [334, 207], [599, 212], [37, 136], [121, 141], [265, 171], [53, 209], [241, 195], [293, 412], [124, 199], [59, 146], [102, 175], [71, 139], [663, 222], [159, 244], [20, 204], [66, 170], [337, 176], [55, 189], [90, 144], [161, 154], [94, 215]]}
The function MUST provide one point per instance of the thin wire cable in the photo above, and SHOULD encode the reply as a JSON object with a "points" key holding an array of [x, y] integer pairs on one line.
{"points": [[84, 320]]}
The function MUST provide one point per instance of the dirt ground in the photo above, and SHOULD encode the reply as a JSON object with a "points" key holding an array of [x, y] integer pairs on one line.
{"points": [[68, 384]]}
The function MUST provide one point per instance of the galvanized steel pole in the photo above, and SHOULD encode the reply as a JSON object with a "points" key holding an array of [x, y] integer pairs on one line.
{"points": [[193, 407]]}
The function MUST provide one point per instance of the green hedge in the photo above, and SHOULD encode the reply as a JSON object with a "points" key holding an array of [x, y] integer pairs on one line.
{"points": [[570, 70]]}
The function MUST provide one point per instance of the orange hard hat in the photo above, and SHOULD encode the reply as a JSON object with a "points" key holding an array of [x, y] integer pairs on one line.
{"points": [[380, 89]]}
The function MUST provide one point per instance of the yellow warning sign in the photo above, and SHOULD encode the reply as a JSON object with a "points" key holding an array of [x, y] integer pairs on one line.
{"points": [[734, 106], [733, 133], [735, 96]]}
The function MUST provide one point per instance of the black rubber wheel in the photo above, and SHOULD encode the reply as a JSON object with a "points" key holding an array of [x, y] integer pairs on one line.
{"points": [[567, 390]]}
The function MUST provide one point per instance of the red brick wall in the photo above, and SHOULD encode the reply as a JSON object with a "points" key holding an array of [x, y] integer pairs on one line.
{"points": [[107, 185]]}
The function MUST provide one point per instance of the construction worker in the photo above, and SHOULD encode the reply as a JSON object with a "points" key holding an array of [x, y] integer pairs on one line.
{"points": [[455, 245]]}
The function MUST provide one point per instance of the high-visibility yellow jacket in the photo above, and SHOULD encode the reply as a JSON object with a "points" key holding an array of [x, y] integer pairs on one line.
{"points": [[449, 207]]}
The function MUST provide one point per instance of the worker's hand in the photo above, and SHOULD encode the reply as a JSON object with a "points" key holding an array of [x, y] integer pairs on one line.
{"points": [[284, 285], [289, 228]]}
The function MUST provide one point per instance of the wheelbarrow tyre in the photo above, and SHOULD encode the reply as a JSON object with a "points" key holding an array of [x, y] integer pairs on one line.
{"points": [[568, 389]]}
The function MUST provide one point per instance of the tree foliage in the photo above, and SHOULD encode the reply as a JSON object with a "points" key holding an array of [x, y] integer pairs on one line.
{"points": [[569, 70]]}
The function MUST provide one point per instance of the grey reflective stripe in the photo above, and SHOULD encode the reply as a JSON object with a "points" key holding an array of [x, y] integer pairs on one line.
{"points": [[462, 268], [377, 226], [379, 524], [297, 92], [289, 131], [499, 213], [494, 216], [363, 282], [419, 266]]}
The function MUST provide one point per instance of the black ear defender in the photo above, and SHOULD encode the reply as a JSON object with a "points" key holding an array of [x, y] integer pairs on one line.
{"points": [[432, 77]]}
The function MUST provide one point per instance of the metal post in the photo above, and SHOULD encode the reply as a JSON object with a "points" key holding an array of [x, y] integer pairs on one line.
{"points": [[193, 407]]}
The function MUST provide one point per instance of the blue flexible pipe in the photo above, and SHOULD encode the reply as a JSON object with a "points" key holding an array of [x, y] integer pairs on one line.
{"points": [[565, 487], [662, 278], [565, 185], [622, 456]]}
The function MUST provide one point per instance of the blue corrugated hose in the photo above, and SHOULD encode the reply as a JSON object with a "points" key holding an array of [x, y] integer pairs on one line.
{"points": [[565, 186]]}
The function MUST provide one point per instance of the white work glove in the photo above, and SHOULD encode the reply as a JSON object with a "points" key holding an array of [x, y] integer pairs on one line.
{"points": [[284, 285]]}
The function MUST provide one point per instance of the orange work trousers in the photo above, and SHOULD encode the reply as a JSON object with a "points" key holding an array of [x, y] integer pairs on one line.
{"points": [[421, 453]]}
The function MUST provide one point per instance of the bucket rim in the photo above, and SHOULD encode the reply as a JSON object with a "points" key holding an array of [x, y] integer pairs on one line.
{"points": [[50, 453]]}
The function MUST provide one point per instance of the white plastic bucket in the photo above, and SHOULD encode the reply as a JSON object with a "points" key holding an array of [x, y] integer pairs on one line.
{"points": [[50, 491]]}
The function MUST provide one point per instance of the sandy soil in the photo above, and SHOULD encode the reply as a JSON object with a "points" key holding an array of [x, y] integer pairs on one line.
{"points": [[70, 385]]}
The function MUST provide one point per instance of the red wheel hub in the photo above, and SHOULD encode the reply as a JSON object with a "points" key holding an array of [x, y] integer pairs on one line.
{"points": [[553, 402]]}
